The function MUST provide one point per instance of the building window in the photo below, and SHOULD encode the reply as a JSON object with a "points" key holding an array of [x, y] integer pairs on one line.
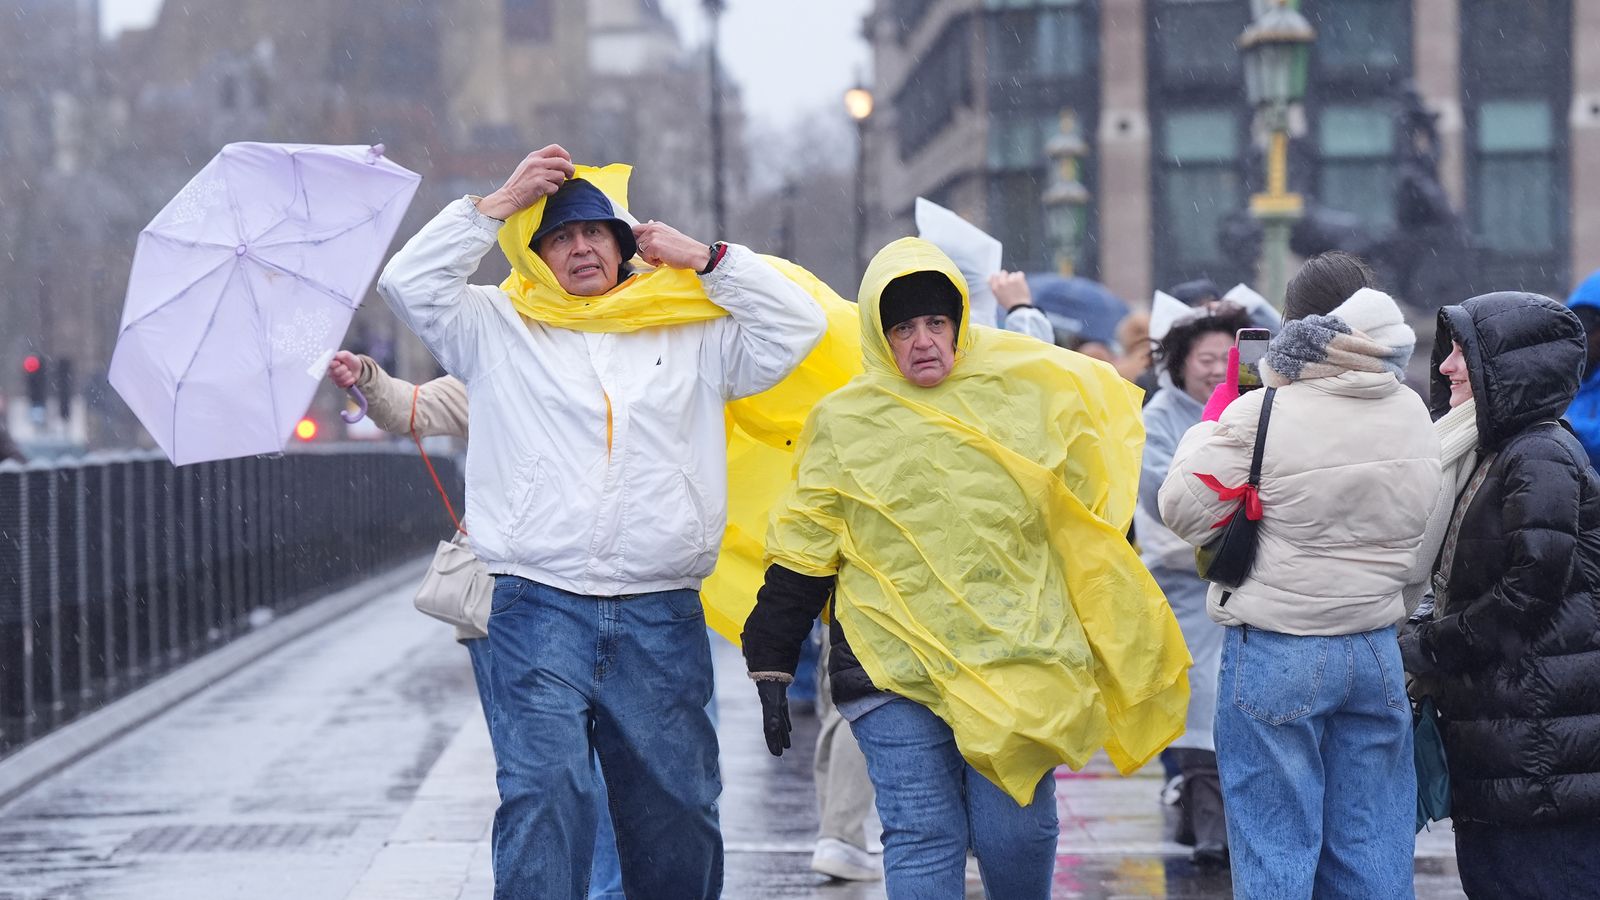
{"points": [[1017, 139], [529, 20], [1361, 56], [938, 86], [1199, 128], [1361, 39], [1356, 145], [1192, 43], [1042, 71], [1516, 86], [1514, 203], [1201, 186], [1025, 47]]}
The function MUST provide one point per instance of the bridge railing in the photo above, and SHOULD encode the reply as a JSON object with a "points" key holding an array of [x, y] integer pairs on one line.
{"points": [[115, 571]]}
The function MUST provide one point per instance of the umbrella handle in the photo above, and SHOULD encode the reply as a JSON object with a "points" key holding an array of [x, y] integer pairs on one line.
{"points": [[349, 417]]}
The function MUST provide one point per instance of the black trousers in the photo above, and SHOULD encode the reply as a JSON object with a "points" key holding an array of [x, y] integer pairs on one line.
{"points": [[1201, 797]]}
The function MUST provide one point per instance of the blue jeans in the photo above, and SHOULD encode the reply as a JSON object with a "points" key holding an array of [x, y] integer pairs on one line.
{"points": [[605, 873], [934, 807], [626, 679], [1314, 751]]}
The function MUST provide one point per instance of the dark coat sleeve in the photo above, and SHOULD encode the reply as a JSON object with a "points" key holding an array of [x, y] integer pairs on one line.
{"points": [[786, 605], [1539, 515]]}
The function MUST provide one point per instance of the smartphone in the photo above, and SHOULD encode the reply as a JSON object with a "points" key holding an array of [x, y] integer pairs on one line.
{"points": [[1252, 344]]}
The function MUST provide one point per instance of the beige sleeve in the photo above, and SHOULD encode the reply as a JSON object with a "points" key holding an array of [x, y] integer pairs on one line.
{"points": [[441, 403]]}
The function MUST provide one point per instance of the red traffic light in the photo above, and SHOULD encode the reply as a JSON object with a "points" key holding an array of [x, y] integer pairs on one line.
{"points": [[305, 429], [31, 364]]}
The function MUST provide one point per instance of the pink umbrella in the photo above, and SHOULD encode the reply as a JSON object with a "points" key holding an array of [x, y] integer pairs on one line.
{"points": [[242, 288]]}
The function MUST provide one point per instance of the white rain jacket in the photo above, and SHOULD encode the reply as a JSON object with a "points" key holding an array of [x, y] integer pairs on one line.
{"points": [[598, 462]]}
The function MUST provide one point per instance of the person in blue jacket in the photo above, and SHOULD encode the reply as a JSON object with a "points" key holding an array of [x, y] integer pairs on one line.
{"points": [[1584, 413]]}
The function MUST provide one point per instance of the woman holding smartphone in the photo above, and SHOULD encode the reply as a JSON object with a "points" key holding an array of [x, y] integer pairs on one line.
{"points": [[1313, 727]]}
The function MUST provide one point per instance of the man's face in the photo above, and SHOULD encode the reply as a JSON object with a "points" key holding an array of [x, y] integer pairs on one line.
{"points": [[924, 348], [584, 257]]}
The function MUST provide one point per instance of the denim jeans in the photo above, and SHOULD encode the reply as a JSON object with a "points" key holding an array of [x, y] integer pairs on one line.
{"points": [[1314, 750], [934, 807], [625, 679], [605, 873]]}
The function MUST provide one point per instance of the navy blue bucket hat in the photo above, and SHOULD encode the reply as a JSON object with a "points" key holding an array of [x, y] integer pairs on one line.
{"points": [[579, 201]]}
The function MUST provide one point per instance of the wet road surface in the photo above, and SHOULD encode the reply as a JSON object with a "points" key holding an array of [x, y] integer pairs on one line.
{"points": [[353, 763]]}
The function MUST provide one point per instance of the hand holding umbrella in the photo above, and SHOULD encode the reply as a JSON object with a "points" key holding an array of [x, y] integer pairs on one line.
{"points": [[344, 370]]}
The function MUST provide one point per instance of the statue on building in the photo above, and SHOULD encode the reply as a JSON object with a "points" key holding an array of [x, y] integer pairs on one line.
{"points": [[1427, 258]]}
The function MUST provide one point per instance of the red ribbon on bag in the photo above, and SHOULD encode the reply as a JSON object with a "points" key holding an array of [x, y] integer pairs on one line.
{"points": [[1246, 492]]}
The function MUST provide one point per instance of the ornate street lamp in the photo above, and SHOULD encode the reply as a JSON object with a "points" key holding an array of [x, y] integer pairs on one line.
{"points": [[1066, 200], [858, 103], [1276, 49]]}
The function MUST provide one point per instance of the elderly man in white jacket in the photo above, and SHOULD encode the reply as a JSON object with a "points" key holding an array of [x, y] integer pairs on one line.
{"points": [[596, 494]]}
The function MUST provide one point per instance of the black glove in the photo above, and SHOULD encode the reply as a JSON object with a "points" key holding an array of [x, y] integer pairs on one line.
{"points": [[1418, 662], [775, 714]]}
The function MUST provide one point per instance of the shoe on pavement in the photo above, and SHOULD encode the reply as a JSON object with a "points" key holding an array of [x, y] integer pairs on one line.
{"points": [[1210, 856], [1172, 791], [838, 859]]}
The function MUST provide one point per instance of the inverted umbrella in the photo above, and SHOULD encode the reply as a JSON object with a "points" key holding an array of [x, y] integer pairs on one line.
{"points": [[242, 288]]}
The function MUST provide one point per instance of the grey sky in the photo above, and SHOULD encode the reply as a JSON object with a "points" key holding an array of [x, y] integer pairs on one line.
{"points": [[791, 57]]}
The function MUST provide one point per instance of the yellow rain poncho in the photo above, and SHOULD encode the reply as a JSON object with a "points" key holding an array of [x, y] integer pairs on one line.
{"points": [[976, 529], [762, 430]]}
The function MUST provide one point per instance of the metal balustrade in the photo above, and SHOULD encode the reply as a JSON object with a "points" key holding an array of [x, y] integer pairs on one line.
{"points": [[114, 571]]}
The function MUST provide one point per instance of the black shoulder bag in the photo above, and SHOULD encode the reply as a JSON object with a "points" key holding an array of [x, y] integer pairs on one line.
{"points": [[1228, 558]]}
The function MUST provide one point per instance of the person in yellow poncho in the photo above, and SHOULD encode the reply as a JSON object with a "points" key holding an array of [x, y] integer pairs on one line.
{"points": [[963, 503], [596, 494]]}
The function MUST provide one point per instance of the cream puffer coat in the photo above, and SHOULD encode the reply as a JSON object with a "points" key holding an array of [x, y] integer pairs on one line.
{"points": [[1348, 479]]}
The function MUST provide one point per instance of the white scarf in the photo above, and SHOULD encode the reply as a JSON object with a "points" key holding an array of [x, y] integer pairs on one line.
{"points": [[1458, 443]]}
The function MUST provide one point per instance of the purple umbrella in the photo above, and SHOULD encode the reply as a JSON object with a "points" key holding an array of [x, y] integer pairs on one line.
{"points": [[242, 288]]}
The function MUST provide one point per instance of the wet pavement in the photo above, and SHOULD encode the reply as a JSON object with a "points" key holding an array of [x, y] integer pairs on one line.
{"points": [[353, 763]]}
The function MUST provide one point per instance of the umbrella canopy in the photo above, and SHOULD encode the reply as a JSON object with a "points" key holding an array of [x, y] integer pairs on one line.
{"points": [[1083, 309], [243, 286]]}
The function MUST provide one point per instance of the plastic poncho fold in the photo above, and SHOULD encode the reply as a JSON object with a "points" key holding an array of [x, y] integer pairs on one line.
{"points": [[976, 529], [762, 430]]}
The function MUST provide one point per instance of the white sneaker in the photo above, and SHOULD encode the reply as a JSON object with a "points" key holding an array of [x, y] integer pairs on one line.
{"points": [[838, 859], [1172, 792]]}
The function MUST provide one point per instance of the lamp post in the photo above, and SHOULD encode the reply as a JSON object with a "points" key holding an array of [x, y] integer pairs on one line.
{"points": [[1276, 49], [719, 205], [1066, 200], [858, 103]]}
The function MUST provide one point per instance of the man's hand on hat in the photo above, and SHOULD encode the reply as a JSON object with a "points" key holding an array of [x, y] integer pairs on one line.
{"points": [[662, 245], [538, 175]]}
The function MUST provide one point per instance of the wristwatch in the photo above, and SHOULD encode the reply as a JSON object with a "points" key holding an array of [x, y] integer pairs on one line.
{"points": [[718, 251]]}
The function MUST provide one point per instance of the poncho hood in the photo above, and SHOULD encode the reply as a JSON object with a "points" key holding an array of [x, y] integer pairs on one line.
{"points": [[645, 299], [904, 257]]}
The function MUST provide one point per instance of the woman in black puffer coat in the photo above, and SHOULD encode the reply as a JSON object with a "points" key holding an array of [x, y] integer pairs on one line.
{"points": [[1511, 654]]}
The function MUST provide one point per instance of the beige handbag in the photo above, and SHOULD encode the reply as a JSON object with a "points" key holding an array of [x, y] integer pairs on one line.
{"points": [[457, 588]]}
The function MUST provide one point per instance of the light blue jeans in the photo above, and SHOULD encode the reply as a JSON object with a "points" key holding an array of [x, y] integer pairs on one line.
{"points": [[624, 679], [1314, 749], [934, 807]]}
